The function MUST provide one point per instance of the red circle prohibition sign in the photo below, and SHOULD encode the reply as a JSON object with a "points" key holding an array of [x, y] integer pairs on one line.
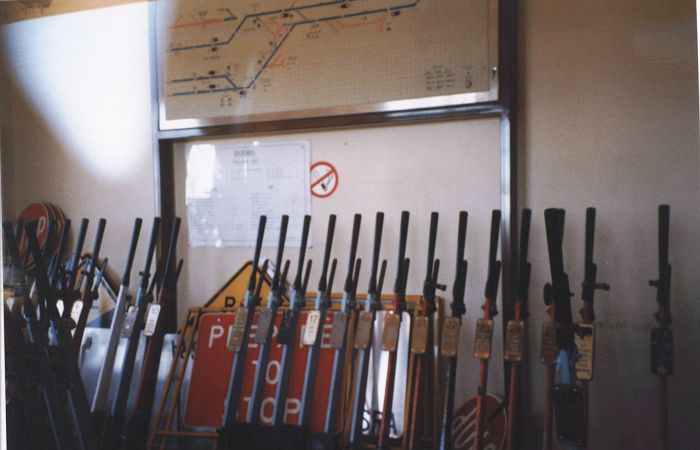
{"points": [[324, 179]]}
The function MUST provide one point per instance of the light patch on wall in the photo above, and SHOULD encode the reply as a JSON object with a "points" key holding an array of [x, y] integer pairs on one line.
{"points": [[202, 166], [15, 11], [74, 70]]}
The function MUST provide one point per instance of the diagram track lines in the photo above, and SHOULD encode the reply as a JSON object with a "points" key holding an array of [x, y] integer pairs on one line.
{"points": [[293, 16], [381, 21], [278, 62], [273, 27], [200, 23]]}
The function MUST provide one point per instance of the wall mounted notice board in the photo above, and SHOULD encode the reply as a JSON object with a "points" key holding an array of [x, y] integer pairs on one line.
{"points": [[225, 62]]}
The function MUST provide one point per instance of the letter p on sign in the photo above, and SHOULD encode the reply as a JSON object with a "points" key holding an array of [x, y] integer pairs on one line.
{"points": [[217, 331]]}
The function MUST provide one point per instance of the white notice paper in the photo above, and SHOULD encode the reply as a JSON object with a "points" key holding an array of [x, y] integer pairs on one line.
{"points": [[230, 185]]}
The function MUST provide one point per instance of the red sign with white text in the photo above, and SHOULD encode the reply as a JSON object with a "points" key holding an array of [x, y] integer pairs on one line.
{"points": [[211, 370]]}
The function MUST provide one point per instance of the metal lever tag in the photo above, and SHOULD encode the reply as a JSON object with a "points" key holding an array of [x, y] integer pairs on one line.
{"points": [[450, 337], [129, 321], [662, 351], [586, 347], [340, 326], [152, 313], [235, 338], [364, 330], [548, 345], [515, 331], [264, 324], [483, 339], [313, 321], [419, 340], [390, 337]]}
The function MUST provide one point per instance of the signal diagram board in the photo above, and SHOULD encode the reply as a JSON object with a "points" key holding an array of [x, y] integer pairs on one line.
{"points": [[226, 61]]}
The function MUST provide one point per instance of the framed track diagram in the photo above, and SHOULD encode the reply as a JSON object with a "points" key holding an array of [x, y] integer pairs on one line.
{"points": [[227, 62]]}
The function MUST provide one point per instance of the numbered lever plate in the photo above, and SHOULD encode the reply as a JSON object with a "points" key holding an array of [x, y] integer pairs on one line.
{"points": [[340, 326], [264, 324], [235, 338], [390, 338], [419, 340], [483, 339], [129, 321], [152, 313], [313, 321], [364, 330], [515, 340], [450, 337]]}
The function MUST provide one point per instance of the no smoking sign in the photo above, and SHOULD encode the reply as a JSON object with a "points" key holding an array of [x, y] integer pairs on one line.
{"points": [[324, 179]]}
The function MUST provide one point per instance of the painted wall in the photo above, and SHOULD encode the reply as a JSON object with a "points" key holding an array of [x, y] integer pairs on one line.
{"points": [[609, 113], [76, 120], [3, 420], [610, 119]]}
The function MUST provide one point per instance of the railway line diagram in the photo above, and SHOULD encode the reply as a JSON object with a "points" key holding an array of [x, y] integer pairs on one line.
{"points": [[246, 58]]}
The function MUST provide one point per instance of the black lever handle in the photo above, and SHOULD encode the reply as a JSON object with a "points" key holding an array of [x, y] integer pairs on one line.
{"points": [[132, 251], [327, 254], [256, 256]]}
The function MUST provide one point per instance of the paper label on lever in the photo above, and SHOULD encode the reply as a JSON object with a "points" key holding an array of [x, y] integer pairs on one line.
{"points": [[235, 338], [313, 322], [450, 337], [515, 340], [585, 345], [483, 339], [364, 330], [390, 337], [152, 313], [419, 340]]}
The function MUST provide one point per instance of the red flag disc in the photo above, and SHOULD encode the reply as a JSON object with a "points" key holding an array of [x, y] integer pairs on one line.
{"points": [[464, 425]]}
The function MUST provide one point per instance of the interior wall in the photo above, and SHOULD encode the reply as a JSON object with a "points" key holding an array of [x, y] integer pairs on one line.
{"points": [[7, 178], [609, 118], [609, 111], [3, 420], [76, 121]]}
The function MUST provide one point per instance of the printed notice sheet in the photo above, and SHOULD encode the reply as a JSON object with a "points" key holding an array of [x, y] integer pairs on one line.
{"points": [[230, 185]]}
